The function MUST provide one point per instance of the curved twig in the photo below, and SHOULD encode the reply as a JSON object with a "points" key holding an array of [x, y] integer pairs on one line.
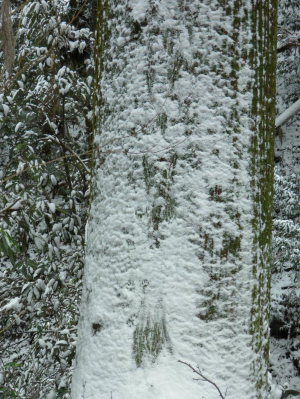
{"points": [[199, 372]]}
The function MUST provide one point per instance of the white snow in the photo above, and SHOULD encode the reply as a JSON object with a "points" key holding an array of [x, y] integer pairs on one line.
{"points": [[51, 207], [13, 304], [5, 109], [51, 395], [40, 285], [53, 180], [73, 45], [56, 305], [18, 126], [276, 393], [57, 227], [42, 343], [39, 243], [16, 206], [37, 7]]}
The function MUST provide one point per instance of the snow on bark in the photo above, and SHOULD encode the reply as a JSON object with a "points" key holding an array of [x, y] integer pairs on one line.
{"points": [[176, 265]]}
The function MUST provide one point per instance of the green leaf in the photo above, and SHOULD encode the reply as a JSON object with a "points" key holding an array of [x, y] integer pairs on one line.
{"points": [[24, 271], [62, 392], [23, 115], [17, 265], [64, 211], [31, 263], [12, 256], [13, 365], [11, 240], [19, 146], [5, 248], [8, 393]]}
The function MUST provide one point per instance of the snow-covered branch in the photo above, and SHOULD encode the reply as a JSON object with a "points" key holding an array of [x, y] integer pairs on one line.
{"points": [[203, 378], [287, 114]]}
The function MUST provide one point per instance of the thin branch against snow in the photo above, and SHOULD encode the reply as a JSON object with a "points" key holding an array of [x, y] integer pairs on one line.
{"points": [[171, 146], [77, 157], [203, 378], [287, 46], [287, 114]]}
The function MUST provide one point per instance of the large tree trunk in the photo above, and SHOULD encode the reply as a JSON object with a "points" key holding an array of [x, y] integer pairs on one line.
{"points": [[179, 237]]}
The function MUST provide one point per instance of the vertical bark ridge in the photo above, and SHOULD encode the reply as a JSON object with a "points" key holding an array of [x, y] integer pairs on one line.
{"points": [[263, 57]]}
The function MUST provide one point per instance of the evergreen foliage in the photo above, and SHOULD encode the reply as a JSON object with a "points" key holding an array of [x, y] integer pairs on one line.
{"points": [[285, 321], [286, 249], [45, 122]]}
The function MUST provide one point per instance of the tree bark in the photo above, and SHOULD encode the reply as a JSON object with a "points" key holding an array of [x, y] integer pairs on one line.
{"points": [[8, 39], [179, 237]]}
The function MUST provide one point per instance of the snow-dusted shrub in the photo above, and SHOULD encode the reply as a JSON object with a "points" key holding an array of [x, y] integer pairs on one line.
{"points": [[45, 143]]}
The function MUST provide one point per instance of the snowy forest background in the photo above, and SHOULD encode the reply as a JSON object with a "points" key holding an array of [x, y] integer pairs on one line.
{"points": [[46, 123]]}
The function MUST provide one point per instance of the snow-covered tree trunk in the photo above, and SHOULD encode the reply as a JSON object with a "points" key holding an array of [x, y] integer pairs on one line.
{"points": [[178, 243]]}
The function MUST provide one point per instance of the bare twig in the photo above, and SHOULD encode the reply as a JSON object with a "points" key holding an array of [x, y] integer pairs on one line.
{"points": [[287, 46], [42, 164], [77, 157], [171, 146], [203, 377]]}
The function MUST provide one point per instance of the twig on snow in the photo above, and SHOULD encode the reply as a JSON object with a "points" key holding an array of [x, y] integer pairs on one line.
{"points": [[203, 378]]}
